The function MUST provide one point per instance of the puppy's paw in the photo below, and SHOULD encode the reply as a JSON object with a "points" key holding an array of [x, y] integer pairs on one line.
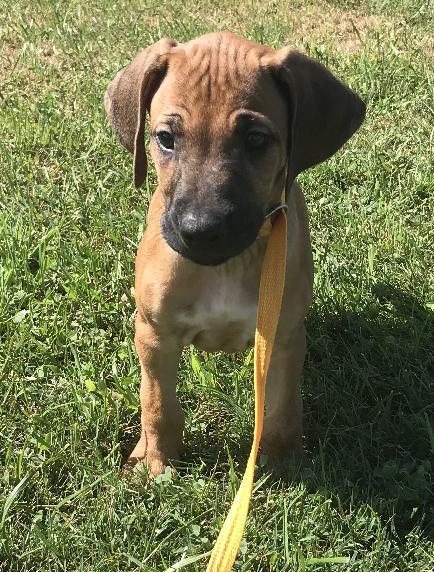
{"points": [[281, 445], [155, 465], [154, 461]]}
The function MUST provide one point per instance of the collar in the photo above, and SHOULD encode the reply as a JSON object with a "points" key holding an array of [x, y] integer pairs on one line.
{"points": [[270, 217]]}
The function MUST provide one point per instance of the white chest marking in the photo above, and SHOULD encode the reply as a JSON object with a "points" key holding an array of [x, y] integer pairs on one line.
{"points": [[224, 314]]}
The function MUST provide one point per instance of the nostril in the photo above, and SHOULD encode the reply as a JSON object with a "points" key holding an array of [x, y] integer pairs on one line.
{"points": [[199, 228]]}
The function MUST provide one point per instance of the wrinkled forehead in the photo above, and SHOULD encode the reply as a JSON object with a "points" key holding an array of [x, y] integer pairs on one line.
{"points": [[211, 81]]}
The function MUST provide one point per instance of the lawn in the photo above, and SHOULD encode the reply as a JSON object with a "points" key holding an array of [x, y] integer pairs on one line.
{"points": [[70, 221]]}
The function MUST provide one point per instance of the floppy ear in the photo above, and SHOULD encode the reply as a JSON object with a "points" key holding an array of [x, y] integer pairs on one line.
{"points": [[128, 97], [324, 112]]}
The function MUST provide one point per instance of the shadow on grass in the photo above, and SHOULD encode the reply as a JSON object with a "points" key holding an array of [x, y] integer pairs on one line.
{"points": [[369, 406]]}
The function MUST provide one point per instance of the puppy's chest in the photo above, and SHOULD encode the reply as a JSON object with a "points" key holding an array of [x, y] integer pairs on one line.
{"points": [[223, 316]]}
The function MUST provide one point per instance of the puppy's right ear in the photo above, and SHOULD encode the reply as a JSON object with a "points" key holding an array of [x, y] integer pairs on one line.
{"points": [[128, 97]]}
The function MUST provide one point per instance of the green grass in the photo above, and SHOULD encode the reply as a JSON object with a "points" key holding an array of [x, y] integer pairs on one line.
{"points": [[70, 221]]}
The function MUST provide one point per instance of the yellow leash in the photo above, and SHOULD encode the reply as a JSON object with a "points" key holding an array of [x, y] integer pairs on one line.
{"points": [[270, 301]]}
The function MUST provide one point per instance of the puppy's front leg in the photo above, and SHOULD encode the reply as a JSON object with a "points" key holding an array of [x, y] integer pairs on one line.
{"points": [[162, 417], [282, 434]]}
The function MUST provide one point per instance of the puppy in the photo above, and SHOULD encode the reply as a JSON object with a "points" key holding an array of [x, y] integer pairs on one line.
{"points": [[232, 123]]}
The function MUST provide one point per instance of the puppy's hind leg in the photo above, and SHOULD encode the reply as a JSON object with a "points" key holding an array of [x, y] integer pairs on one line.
{"points": [[161, 415]]}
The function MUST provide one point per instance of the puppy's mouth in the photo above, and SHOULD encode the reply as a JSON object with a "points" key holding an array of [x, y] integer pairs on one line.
{"points": [[230, 241]]}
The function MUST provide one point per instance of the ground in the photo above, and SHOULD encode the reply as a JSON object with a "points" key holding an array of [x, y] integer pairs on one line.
{"points": [[70, 221]]}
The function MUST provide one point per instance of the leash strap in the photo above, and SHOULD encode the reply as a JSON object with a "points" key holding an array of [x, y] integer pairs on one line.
{"points": [[270, 300]]}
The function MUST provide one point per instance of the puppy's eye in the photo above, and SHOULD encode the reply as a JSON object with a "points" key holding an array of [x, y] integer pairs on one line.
{"points": [[166, 139], [256, 139]]}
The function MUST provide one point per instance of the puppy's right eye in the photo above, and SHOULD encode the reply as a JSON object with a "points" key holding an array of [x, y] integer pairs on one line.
{"points": [[256, 139], [166, 139]]}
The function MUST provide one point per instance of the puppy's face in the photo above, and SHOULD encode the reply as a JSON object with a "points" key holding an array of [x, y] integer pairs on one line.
{"points": [[231, 121], [219, 143]]}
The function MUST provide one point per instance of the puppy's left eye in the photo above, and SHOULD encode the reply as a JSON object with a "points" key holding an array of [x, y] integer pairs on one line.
{"points": [[256, 139], [166, 139]]}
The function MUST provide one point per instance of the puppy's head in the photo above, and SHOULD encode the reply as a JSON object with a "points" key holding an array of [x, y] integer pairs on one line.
{"points": [[231, 122]]}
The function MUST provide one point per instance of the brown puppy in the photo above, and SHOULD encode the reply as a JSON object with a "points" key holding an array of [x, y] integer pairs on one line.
{"points": [[232, 124]]}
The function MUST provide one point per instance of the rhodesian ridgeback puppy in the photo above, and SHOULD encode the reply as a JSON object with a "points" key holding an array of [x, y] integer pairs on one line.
{"points": [[232, 124]]}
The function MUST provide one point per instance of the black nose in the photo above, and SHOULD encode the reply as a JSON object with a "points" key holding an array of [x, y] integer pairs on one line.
{"points": [[196, 228]]}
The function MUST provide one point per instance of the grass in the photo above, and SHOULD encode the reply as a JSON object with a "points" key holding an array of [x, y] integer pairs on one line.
{"points": [[70, 221]]}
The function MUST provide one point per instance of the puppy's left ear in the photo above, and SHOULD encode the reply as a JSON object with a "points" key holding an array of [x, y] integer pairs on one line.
{"points": [[324, 112], [129, 95]]}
